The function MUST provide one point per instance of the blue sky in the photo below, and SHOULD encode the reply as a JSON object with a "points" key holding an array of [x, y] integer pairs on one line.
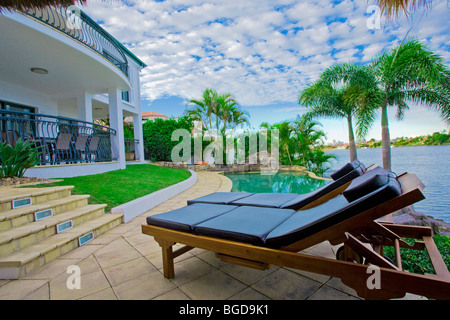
{"points": [[264, 52]]}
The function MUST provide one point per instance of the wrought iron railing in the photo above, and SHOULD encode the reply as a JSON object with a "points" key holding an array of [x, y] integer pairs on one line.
{"points": [[60, 140], [79, 26]]}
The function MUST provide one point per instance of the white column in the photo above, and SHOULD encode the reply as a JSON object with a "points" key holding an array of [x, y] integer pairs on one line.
{"points": [[138, 134], [116, 123], [84, 103]]}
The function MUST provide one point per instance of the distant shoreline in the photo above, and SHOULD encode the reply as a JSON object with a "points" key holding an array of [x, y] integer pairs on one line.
{"points": [[392, 146]]}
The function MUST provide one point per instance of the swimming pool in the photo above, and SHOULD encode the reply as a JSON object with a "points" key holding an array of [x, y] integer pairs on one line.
{"points": [[281, 182]]}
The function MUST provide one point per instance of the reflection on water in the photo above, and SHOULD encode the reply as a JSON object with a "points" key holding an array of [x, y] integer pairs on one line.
{"points": [[281, 182], [430, 164]]}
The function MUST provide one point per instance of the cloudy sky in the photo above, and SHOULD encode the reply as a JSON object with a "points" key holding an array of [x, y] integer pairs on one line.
{"points": [[263, 52]]}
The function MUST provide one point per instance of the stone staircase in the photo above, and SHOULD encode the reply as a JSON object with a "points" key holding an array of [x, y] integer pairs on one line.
{"points": [[50, 222]]}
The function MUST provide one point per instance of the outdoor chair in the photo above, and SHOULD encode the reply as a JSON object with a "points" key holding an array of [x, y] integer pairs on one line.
{"points": [[63, 147], [259, 237], [341, 180], [10, 137], [81, 146], [93, 148]]}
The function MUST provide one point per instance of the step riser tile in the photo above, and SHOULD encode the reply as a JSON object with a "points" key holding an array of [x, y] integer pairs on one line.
{"points": [[11, 222], [42, 197], [18, 272], [47, 232]]}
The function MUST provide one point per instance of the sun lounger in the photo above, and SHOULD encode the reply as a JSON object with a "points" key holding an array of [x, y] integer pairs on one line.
{"points": [[259, 237], [341, 180]]}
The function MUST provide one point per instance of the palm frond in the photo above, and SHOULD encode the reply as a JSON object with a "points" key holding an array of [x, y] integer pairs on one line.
{"points": [[393, 8]]}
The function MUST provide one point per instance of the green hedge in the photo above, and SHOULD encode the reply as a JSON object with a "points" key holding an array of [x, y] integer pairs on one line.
{"points": [[157, 136]]}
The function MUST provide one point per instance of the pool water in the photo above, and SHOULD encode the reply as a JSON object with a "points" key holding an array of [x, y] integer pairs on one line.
{"points": [[281, 182]]}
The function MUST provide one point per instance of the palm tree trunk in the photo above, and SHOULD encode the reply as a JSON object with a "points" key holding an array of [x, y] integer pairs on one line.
{"points": [[289, 155], [385, 138], [351, 139]]}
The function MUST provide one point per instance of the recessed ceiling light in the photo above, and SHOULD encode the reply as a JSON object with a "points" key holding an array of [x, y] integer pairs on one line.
{"points": [[39, 70]]}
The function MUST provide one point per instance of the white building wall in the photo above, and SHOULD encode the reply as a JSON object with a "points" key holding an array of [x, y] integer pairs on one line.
{"points": [[43, 103]]}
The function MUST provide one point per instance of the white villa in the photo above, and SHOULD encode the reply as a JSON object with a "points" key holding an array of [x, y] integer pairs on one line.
{"points": [[66, 85]]}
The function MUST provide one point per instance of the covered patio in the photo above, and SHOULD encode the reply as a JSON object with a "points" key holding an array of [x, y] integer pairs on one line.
{"points": [[66, 85]]}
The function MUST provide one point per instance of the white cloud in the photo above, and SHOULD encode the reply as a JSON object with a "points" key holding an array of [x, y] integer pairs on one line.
{"points": [[261, 51]]}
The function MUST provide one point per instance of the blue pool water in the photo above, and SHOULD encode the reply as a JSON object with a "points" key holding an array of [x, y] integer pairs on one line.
{"points": [[281, 182]]}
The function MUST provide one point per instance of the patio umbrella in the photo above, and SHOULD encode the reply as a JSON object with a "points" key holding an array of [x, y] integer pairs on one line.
{"points": [[40, 4]]}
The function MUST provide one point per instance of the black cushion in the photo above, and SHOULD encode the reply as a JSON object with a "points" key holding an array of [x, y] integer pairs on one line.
{"points": [[272, 227], [244, 224], [296, 227], [185, 218], [220, 197], [367, 183], [269, 200], [308, 222], [355, 165], [304, 199]]}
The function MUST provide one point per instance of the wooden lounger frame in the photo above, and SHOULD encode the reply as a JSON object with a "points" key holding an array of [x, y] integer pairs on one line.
{"points": [[360, 234]]}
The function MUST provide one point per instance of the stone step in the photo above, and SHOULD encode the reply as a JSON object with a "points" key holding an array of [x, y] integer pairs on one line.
{"points": [[17, 217], [37, 195], [21, 262], [25, 235]]}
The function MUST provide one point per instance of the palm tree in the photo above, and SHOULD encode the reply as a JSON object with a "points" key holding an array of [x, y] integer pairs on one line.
{"points": [[307, 135], [223, 109], [239, 117], [227, 107], [357, 97], [392, 8], [204, 109], [285, 132], [410, 72]]}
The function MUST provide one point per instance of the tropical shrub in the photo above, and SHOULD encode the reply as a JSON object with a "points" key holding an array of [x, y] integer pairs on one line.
{"points": [[301, 143], [15, 160]]}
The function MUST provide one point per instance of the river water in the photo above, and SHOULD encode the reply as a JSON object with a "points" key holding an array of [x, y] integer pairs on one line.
{"points": [[430, 163]]}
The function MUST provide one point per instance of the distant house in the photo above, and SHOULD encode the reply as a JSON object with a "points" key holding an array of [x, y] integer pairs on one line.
{"points": [[152, 115], [149, 115]]}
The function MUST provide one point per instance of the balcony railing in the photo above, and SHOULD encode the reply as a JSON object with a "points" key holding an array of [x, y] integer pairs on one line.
{"points": [[60, 140], [79, 26]]}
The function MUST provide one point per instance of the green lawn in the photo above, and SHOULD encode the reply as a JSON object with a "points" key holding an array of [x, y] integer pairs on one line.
{"points": [[117, 187]]}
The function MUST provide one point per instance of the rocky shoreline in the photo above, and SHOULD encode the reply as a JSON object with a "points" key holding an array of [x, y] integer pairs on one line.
{"points": [[409, 216]]}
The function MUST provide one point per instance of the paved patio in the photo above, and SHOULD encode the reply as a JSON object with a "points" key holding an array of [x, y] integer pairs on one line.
{"points": [[124, 264]]}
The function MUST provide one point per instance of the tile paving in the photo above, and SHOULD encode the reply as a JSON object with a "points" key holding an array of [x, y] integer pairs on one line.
{"points": [[124, 264]]}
